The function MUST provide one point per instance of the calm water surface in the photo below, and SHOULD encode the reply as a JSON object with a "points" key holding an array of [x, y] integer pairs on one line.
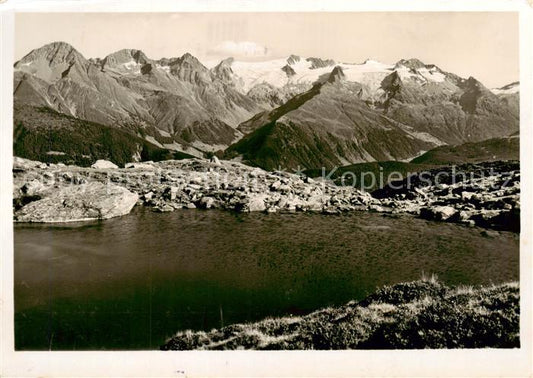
{"points": [[131, 282]]}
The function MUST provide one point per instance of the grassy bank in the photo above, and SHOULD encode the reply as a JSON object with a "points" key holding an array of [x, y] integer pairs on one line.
{"points": [[420, 314]]}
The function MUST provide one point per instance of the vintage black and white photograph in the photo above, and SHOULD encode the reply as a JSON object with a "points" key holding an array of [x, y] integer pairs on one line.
{"points": [[266, 181]]}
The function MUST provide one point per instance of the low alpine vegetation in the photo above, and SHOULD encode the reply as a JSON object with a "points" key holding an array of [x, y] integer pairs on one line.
{"points": [[420, 314]]}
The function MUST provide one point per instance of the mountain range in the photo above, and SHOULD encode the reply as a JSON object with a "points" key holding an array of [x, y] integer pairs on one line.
{"points": [[306, 112]]}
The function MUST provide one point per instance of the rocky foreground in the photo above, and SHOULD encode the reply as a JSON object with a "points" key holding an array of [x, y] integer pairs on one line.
{"points": [[483, 194], [422, 314], [172, 185], [488, 196]]}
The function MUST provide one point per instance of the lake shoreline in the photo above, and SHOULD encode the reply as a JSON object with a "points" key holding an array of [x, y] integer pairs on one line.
{"points": [[50, 193]]}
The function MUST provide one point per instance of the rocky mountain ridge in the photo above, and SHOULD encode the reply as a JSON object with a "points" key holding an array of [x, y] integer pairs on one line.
{"points": [[183, 99], [182, 105]]}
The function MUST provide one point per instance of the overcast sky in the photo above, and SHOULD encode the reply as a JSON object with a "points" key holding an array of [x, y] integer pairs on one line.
{"points": [[483, 45]]}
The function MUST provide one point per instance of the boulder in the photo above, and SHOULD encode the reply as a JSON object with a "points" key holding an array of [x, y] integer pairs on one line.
{"points": [[437, 212], [207, 202], [164, 208], [33, 187], [104, 164], [85, 202], [256, 203], [144, 165], [316, 202], [171, 192], [215, 160], [21, 164], [467, 196], [196, 180]]}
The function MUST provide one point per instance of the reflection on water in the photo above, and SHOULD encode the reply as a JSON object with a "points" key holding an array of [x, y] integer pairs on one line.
{"points": [[131, 282]]}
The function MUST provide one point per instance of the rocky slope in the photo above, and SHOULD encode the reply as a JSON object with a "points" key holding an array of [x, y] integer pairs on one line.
{"points": [[450, 108], [45, 135], [329, 125], [416, 315], [507, 148], [486, 195], [415, 108], [172, 185], [510, 94]]}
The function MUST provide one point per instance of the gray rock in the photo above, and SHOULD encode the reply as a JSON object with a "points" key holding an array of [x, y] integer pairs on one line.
{"points": [[256, 203], [196, 180], [104, 164], [467, 195], [376, 208], [33, 187], [79, 203], [275, 185], [171, 192], [437, 212], [164, 208], [143, 165], [207, 202]]}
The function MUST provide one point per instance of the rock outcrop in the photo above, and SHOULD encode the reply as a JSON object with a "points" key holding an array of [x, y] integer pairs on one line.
{"points": [[365, 112], [90, 201], [327, 126], [486, 195], [179, 97], [192, 183]]}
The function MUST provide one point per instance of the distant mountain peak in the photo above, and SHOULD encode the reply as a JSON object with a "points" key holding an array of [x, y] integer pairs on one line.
{"points": [[320, 63], [187, 67], [509, 89], [336, 75], [411, 63], [223, 70], [189, 60], [473, 92], [514, 84], [52, 62], [224, 65], [53, 53], [228, 61], [473, 83], [288, 70], [293, 59], [129, 58], [188, 57], [58, 45]]}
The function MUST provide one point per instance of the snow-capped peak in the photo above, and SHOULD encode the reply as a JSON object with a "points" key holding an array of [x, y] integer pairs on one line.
{"points": [[507, 89], [304, 71]]}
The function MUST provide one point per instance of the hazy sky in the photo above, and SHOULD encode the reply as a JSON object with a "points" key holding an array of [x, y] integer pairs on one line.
{"points": [[483, 45]]}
